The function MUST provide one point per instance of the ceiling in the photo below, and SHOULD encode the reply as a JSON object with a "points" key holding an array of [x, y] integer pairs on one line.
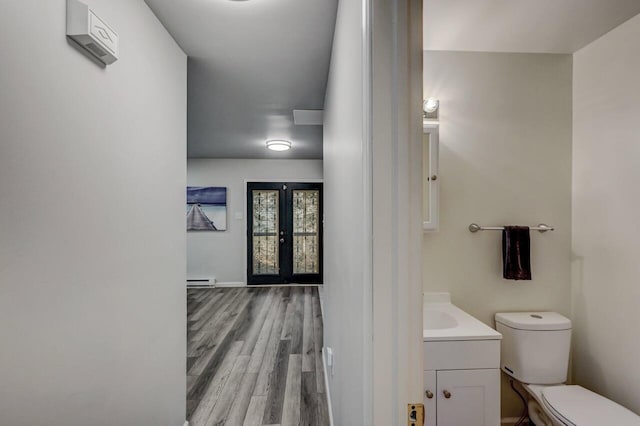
{"points": [[531, 26], [251, 63]]}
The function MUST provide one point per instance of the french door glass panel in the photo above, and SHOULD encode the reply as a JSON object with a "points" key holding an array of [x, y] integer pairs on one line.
{"points": [[266, 225], [306, 238]]}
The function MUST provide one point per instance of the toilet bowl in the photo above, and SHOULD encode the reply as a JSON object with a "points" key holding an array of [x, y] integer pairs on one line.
{"points": [[570, 405], [535, 352], [537, 415]]}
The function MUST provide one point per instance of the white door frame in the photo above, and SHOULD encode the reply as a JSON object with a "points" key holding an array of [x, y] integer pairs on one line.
{"points": [[396, 134]]}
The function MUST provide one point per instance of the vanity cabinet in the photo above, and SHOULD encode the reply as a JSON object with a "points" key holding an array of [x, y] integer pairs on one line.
{"points": [[462, 382], [462, 397], [461, 366]]}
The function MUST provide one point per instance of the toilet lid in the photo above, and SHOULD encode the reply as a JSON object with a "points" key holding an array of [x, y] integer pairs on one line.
{"points": [[577, 406]]}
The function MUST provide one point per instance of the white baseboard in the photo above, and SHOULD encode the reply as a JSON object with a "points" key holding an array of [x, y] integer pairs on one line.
{"points": [[321, 297], [231, 284], [241, 284], [327, 392]]}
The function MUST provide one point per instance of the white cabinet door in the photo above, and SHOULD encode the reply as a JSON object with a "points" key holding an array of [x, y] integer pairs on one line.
{"points": [[430, 178], [468, 397], [430, 391]]}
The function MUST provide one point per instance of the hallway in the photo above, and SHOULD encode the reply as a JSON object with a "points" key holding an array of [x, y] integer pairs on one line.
{"points": [[254, 357]]}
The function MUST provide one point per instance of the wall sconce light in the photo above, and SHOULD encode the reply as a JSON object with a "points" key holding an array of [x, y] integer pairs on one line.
{"points": [[430, 108]]}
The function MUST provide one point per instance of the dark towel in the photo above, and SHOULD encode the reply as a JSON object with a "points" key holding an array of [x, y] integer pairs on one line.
{"points": [[516, 253]]}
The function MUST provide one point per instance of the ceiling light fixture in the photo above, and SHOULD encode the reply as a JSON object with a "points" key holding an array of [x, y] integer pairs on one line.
{"points": [[278, 145]]}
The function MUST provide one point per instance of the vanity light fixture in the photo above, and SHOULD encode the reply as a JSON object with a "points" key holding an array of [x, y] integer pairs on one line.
{"points": [[278, 145], [430, 108], [431, 105]]}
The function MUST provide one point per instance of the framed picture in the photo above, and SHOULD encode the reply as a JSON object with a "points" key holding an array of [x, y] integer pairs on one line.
{"points": [[206, 208]]}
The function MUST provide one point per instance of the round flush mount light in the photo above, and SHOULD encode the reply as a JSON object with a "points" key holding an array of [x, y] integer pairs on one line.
{"points": [[430, 105], [278, 145]]}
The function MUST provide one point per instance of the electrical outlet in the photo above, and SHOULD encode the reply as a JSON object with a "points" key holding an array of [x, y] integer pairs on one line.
{"points": [[329, 359], [415, 414]]}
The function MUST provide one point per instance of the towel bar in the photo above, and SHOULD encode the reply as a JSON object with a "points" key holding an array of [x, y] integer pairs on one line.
{"points": [[474, 227]]}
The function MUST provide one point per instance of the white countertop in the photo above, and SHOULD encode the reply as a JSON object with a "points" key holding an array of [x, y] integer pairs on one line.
{"points": [[443, 321]]}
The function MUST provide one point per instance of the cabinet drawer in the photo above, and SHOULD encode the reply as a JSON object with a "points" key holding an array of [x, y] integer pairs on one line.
{"points": [[457, 355]]}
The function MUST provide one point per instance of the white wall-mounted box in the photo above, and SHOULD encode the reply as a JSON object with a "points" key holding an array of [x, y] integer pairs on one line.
{"points": [[91, 32]]}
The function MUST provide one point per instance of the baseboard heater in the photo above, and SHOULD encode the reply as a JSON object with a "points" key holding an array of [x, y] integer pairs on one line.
{"points": [[201, 282]]}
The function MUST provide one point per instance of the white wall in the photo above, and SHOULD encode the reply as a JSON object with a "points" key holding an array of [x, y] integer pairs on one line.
{"points": [[505, 158], [606, 156], [222, 255], [396, 199], [92, 241], [372, 133], [344, 234]]}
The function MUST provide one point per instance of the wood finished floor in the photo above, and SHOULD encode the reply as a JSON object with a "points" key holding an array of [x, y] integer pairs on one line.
{"points": [[254, 357]]}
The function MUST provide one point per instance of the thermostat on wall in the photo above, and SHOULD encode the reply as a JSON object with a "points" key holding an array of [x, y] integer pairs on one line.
{"points": [[91, 32]]}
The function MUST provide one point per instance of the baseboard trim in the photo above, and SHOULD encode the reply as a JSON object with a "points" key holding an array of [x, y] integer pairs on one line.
{"points": [[324, 360], [321, 297], [327, 392], [231, 284], [242, 284]]}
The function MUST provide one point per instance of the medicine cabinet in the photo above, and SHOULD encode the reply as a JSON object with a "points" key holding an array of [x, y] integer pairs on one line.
{"points": [[430, 177]]}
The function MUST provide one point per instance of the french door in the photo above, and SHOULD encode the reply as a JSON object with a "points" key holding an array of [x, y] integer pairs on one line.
{"points": [[284, 233]]}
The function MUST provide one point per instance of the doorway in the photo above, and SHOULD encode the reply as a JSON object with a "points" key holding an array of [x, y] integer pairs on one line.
{"points": [[284, 233]]}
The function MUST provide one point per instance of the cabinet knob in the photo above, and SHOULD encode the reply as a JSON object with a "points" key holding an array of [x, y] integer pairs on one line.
{"points": [[446, 394], [434, 177], [429, 394]]}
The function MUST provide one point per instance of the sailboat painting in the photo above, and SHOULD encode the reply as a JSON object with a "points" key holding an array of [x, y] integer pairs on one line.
{"points": [[206, 208]]}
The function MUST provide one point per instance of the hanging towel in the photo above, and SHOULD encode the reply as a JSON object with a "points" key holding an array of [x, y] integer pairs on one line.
{"points": [[516, 253]]}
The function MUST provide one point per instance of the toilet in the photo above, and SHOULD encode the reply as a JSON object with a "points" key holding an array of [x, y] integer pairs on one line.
{"points": [[535, 352]]}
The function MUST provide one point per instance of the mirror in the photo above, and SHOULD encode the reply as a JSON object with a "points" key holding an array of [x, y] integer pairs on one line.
{"points": [[430, 177]]}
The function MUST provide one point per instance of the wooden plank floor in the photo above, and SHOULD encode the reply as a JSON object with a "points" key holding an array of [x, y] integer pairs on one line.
{"points": [[255, 357]]}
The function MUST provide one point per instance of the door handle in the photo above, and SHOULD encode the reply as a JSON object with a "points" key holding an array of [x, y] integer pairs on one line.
{"points": [[446, 394]]}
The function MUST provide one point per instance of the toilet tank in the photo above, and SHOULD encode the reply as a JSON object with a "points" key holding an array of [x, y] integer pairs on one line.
{"points": [[535, 346]]}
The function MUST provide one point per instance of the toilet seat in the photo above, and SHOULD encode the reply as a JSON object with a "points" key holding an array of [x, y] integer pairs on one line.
{"points": [[577, 406]]}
